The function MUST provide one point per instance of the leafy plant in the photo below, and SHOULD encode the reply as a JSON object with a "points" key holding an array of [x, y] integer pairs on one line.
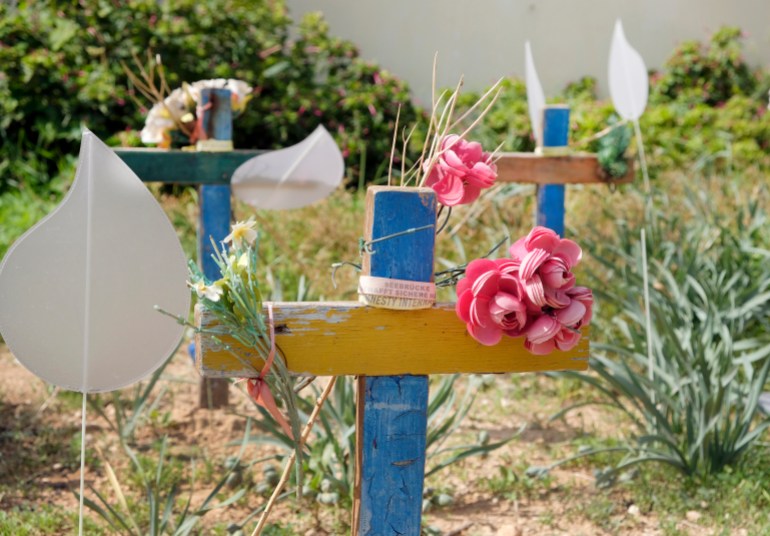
{"points": [[709, 74], [330, 460], [162, 493], [61, 69], [693, 399]]}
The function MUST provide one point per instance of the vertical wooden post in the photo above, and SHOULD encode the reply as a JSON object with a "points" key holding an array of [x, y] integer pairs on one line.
{"points": [[550, 197], [214, 200], [392, 410]]}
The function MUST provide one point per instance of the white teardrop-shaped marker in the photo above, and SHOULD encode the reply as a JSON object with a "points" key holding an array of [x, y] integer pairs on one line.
{"points": [[628, 81], [78, 290], [535, 95], [292, 177]]}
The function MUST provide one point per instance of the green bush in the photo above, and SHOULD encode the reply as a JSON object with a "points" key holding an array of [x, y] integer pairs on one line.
{"points": [[693, 401], [708, 74], [61, 69], [705, 108]]}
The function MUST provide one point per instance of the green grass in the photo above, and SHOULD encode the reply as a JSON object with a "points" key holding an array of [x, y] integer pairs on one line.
{"points": [[38, 520]]}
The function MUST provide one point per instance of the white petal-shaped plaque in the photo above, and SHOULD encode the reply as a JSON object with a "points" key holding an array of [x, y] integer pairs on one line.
{"points": [[292, 177], [535, 95], [629, 85], [78, 290]]}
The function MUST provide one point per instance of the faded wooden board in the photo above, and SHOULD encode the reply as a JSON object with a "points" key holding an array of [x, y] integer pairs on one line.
{"points": [[579, 168], [184, 167], [347, 338]]}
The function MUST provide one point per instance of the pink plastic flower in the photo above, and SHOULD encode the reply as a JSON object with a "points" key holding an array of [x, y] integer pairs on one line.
{"points": [[546, 263], [531, 294], [490, 301], [462, 170]]}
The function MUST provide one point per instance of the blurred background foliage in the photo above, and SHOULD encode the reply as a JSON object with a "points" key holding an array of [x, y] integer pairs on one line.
{"points": [[61, 70]]}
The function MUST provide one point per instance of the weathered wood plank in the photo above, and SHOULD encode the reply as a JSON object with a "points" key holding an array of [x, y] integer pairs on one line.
{"points": [[392, 411], [347, 338], [184, 167], [214, 220], [579, 168]]}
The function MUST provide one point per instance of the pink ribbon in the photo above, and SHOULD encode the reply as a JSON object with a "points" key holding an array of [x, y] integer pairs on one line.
{"points": [[258, 388]]}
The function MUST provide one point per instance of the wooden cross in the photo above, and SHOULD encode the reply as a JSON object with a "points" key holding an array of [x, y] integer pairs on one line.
{"points": [[391, 352], [212, 171], [553, 167]]}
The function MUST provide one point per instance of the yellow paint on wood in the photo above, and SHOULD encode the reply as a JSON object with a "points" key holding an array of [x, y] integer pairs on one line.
{"points": [[347, 338], [576, 168]]}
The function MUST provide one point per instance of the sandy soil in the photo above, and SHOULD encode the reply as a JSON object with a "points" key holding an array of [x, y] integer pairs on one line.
{"points": [[39, 460]]}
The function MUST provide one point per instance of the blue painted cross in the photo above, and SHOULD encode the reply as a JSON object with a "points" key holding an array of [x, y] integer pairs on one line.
{"points": [[213, 172], [554, 166]]}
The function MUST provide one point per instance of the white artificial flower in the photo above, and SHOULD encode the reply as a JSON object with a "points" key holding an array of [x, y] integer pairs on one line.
{"points": [[242, 231], [210, 292]]}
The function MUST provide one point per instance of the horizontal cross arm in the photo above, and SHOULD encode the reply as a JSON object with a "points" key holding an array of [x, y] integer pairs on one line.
{"points": [[347, 338], [185, 167], [578, 168]]}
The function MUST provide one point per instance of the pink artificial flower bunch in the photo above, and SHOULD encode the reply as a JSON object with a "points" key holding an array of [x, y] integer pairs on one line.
{"points": [[460, 172], [531, 294]]}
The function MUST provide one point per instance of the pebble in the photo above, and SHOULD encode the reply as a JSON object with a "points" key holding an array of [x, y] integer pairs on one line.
{"points": [[633, 510], [692, 516]]}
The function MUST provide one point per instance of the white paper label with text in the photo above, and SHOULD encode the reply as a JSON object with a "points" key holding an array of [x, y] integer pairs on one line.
{"points": [[395, 293]]}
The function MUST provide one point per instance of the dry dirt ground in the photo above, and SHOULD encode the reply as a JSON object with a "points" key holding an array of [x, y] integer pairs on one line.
{"points": [[39, 461]]}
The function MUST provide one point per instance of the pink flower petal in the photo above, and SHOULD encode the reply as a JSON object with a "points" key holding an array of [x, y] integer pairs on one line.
{"points": [[507, 266], [558, 299], [488, 336], [535, 291], [572, 314], [569, 251], [479, 313], [478, 267], [532, 261], [543, 329], [449, 190], [463, 306], [544, 348], [472, 193], [511, 285], [543, 238], [518, 249], [463, 285], [486, 284], [555, 273], [567, 339]]}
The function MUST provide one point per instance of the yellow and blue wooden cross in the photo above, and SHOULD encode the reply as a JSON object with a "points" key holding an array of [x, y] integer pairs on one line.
{"points": [[553, 166], [212, 169], [391, 352]]}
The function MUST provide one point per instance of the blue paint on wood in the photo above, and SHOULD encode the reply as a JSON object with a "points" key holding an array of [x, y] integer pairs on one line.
{"points": [[550, 197], [556, 126], [218, 119], [391, 437], [214, 203], [214, 199], [393, 465]]}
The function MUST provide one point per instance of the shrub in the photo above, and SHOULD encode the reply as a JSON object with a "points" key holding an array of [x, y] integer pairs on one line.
{"points": [[694, 403], [706, 109], [61, 68], [708, 74]]}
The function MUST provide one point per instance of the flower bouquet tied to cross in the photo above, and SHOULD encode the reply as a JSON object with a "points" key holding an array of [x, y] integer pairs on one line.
{"points": [[531, 294]]}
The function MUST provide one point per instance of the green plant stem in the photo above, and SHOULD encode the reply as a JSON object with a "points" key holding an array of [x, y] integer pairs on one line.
{"points": [[290, 462]]}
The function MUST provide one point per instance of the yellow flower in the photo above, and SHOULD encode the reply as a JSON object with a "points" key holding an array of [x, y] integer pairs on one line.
{"points": [[242, 231], [243, 261]]}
